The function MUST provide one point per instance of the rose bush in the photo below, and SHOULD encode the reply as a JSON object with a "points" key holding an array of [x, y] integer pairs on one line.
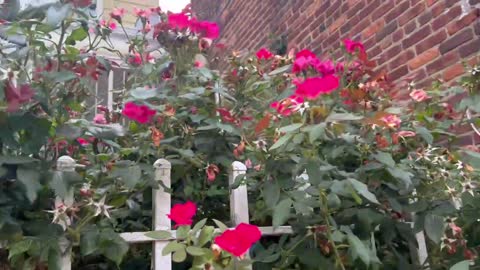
{"points": [[355, 164]]}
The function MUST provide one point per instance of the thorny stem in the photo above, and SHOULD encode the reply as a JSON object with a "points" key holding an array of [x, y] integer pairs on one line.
{"points": [[326, 215]]}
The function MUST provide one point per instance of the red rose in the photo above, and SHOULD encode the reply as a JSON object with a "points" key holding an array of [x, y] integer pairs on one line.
{"points": [[182, 214], [238, 240]]}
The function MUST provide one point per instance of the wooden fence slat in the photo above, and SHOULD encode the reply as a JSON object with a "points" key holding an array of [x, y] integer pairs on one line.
{"points": [[161, 207], [238, 196], [140, 237], [65, 164]]}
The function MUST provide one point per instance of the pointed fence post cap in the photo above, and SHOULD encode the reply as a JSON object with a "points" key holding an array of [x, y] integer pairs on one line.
{"points": [[238, 166], [65, 163], [162, 164]]}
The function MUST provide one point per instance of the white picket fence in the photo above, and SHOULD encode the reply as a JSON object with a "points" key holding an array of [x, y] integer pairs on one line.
{"points": [[162, 205]]}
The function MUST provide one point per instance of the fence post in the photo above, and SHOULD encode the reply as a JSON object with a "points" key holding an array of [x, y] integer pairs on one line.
{"points": [[238, 198], [161, 207], [65, 164]]}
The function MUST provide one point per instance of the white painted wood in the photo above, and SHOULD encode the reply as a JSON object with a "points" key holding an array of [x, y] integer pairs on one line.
{"points": [[422, 248], [238, 196], [239, 199], [110, 91], [140, 237], [161, 207], [66, 164]]}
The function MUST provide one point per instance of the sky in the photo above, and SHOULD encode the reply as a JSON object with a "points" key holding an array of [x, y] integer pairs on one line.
{"points": [[173, 5]]}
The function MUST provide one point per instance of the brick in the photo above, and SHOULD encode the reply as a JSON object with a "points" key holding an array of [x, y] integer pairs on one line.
{"points": [[383, 9], [431, 41], [424, 58], [476, 27], [401, 59], [443, 19], [410, 27], [443, 62], [397, 11], [430, 2], [456, 40], [411, 13], [397, 35], [398, 73], [373, 28], [453, 72], [387, 30], [416, 37], [438, 8], [337, 23], [465, 21], [474, 2], [425, 18], [470, 48], [361, 25]]}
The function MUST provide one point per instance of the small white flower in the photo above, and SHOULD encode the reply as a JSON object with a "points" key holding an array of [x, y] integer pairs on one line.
{"points": [[101, 208]]}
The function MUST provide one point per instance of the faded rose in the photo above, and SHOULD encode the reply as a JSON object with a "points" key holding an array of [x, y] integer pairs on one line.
{"points": [[419, 95]]}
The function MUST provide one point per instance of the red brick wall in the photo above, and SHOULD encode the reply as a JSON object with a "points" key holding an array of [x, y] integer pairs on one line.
{"points": [[416, 39]]}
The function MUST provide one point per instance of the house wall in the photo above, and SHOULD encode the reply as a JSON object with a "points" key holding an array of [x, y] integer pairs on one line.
{"points": [[416, 39]]}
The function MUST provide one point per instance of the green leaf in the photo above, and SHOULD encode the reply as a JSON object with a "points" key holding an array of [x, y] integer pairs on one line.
{"points": [[182, 232], [113, 246], [343, 117], [221, 226], [280, 70], [160, 235], [205, 235], [434, 227], [31, 180], [130, 175], [16, 160], [281, 141], [281, 212], [195, 251], [179, 256], [172, 247], [89, 241], [78, 34], [316, 132], [362, 189], [358, 249], [314, 174], [463, 265], [384, 158], [143, 93], [19, 247], [291, 127], [271, 193], [61, 76], [199, 225], [425, 134]]}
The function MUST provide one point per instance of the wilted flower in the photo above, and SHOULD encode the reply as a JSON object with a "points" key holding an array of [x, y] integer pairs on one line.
{"points": [[212, 170], [100, 119], [392, 121], [419, 95]]}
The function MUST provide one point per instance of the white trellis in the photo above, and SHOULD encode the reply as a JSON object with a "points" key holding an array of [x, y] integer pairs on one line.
{"points": [[162, 205]]}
